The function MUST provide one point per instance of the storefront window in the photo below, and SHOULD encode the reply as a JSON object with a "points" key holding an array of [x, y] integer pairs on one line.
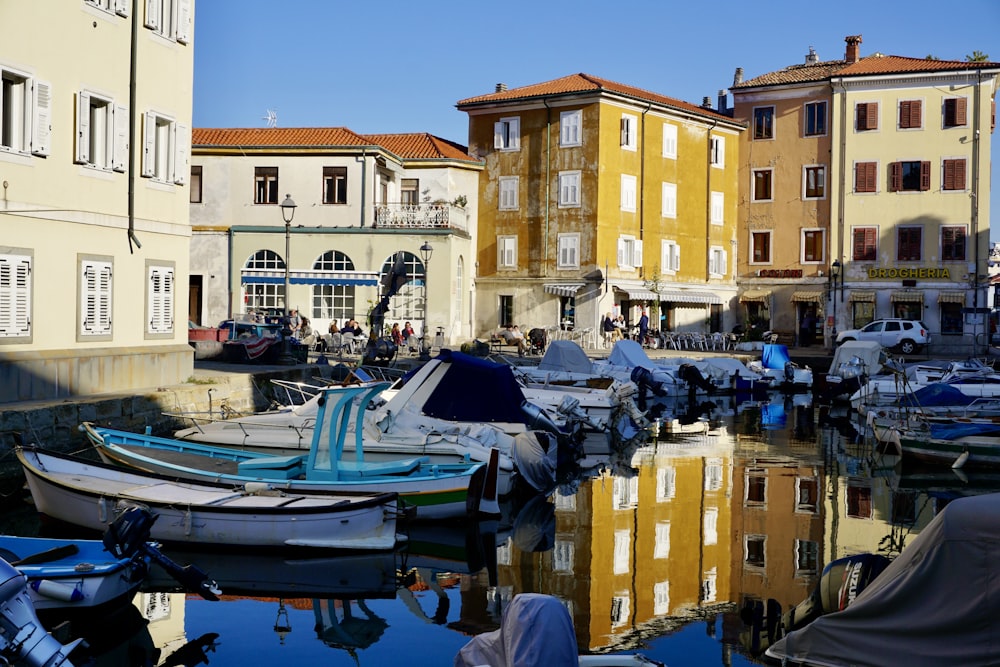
{"points": [[951, 318]]}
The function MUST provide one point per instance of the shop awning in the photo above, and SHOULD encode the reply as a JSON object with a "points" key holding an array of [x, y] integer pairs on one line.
{"points": [[862, 296], [755, 296], [907, 296], [689, 296], [638, 294], [808, 296], [562, 289], [952, 297], [358, 278]]}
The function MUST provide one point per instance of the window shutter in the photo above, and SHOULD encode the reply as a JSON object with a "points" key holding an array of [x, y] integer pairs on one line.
{"points": [[497, 135], [624, 131], [959, 170], [895, 177], [95, 296], [676, 258], [152, 14], [183, 21], [121, 138], [916, 113], [15, 296], [859, 117], [925, 175], [514, 133], [82, 128], [41, 119], [121, 7], [871, 116], [160, 297], [859, 244], [724, 261], [148, 145], [621, 253], [637, 253], [960, 106], [182, 140]]}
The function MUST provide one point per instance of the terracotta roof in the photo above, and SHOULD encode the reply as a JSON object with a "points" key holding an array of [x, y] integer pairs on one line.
{"points": [[420, 146], [583, 83], [794, 74], [277, 136]]}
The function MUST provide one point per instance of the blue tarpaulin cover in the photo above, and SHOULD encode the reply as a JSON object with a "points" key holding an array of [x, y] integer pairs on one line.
{"points": [[774, 356]]}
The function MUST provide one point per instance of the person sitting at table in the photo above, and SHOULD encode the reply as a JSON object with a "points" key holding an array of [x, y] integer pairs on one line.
{"points": [[333, 327], [608, 328], [397, 335], [513, 336]]}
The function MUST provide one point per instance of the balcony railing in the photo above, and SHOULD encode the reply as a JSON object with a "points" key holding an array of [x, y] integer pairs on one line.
{"points": [[420, 216]]}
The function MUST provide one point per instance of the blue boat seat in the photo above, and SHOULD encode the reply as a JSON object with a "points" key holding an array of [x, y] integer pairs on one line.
{"points": [[283, 467], [359, 469]]}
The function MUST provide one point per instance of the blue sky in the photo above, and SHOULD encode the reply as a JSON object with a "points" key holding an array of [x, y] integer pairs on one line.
{"points": [[395, 66]]}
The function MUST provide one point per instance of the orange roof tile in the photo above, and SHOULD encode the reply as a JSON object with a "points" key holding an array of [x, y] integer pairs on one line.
{"points": [[420, 146], [794, 74], [583, 83], [277, 136]]}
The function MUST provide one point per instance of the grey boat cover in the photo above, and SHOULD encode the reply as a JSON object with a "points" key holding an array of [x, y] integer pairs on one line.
{"points": [[565, 355], [868, 352], [535, 631], [938, 603], [629, 353]]}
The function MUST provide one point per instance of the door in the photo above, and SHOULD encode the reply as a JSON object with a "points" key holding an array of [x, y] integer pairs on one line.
{"points": [[194, 299]]}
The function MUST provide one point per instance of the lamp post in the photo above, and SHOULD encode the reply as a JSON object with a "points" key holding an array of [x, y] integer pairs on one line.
{"points": [[835, 274], [425, 341], [287, 213]]}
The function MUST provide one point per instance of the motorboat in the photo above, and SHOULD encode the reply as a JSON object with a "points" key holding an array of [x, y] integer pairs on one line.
{"points": [[972, 377], [784, 373], [853, 363]]}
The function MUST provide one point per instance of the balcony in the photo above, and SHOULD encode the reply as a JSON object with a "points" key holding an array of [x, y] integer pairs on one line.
{"points": [[421, 216]]}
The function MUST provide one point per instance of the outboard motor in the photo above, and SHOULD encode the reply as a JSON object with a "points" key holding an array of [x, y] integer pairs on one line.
{"points": [[23, 640], [570, 408], [646, 381], [539, 419], [690, 374]]}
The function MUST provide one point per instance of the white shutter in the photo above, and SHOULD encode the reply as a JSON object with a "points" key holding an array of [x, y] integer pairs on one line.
{"points": [[41, 118], [183, 21], [624, 131], [82, 128], [182, 141], [675, 258], [149, 145], [514, 130], [95, 297], [160, 297], [120, 154], [724, 269], [498, 135], [122, 6], [152, 14], [15, 296], [622, 260], [574, 251], [637, 253]]}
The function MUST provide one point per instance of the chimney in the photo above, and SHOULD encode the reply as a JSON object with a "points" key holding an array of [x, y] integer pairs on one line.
{"points": [[706, 102], [812, 58], [722, 100], [738, 77], [852, 48], [501, 87]]}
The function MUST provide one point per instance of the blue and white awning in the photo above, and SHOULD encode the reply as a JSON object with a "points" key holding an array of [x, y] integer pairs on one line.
{"points": [[357, 278]]}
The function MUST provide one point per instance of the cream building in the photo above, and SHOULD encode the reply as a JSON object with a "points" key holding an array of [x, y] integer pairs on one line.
{"points": [[95, 114]]}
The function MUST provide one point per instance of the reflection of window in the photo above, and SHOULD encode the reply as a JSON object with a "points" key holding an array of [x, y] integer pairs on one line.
{"points": [[709, 588], [865, 243], [753, 550], [620, 605], [563, 555], [806, 494], [756, 488], [662, 548], [904, 508], [760, 247], [334, 185], [661, 598], [859, 501], [626, 492], [710, 523], [666, 483], [953, 243], [763, 123], [806, 557], [815, 121], [713, 475], [622, 551]]}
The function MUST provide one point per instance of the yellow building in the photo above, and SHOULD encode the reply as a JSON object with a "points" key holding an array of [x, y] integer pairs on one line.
{"points": [[599, 197], [96, 118]]}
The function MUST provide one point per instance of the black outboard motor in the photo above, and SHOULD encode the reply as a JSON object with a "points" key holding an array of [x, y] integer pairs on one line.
{"points": [[644, 378], [690, 374]]}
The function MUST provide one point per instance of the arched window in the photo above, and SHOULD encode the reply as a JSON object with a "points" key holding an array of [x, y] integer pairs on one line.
{"points": [[333, 302], [263, 294], [408, 303]]}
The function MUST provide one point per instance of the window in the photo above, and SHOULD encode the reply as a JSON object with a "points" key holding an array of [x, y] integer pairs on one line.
{"points": [[864, 244], [762, 184], [569, 188], [266, 182], [670, 260], [159, 299], [621, 560], [951, 318], [563, 553], [866, 116], [814, 182], [953, 243], [910, 176], [718, 150], [629, 130], [95, 299], [718, 263], [569, 251], [710, 526], [25, 113], [718, 207], [953, 174], [264, 296], [119, 7], [815, 119], [194, 195], [164, 149], [670, 141], [954, 112], [507, 134], [866, 177], [756, 488], [806, 495], [626, 492], [506, 315], [910, 114], [753, 553], [409, 191], [763, 123], [169, 18], [813, 245], [334, 302], [668, 207], [859, 500], [760, 247], [806, 557], [666, 483], [334, 185], [569, 128], [15, 296], [628, 193], [629, 252], [101, 132], [661, 598], [508, 193], [712, 478], [507, 252], [908, 243]]}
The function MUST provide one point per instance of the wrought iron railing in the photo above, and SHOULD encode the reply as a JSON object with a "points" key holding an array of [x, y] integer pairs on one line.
{"points": [[420, 216]]}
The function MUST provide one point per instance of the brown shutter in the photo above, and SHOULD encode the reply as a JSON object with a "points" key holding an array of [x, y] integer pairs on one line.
{"points": [[860, 116], [909, 114], [959, 174], [949, 175], [925, 175], [960, 105], [916, 108], [895, 177], [871, 122]]}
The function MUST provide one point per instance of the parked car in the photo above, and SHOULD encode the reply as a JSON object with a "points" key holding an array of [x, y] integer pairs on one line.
{"points": [[906, 335]]}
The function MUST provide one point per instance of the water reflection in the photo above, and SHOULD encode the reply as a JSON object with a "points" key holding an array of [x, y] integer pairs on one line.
{"points": [[655, 548]]}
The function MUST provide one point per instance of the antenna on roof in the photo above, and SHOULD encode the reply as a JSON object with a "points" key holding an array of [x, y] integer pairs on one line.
{"points": [[271, 118]]}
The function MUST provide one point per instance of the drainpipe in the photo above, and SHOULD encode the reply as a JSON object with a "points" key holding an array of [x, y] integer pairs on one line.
{"points": [[642, 193], [548, 187], [229, 274], [132, 238], [842, 194], [708, 203], [974, 196], [364, 179]]}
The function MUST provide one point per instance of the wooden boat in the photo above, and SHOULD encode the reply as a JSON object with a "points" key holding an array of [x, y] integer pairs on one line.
{"points": [[436, 491], [972, 444], [89, 494]]}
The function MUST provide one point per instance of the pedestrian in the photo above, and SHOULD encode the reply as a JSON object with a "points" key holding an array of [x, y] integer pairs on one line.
{"points": [[643, 327], [397, 335]]}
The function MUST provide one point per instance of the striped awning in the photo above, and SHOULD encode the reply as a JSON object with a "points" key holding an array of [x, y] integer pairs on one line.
{"points": [[907, 296], [808, 296], [562, 289], [951, 297], [862, 296], [755, 296], [690, 296], [368, 278], [638, 294]]}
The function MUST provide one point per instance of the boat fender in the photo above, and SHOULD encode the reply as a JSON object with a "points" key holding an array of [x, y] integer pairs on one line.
{"points": [[960, 461], [257, 488], [56, 590]]}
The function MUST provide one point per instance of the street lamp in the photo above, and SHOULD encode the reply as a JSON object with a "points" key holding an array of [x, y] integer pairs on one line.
{"points": [[287, 213], [425, 341], [835, 274]]}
